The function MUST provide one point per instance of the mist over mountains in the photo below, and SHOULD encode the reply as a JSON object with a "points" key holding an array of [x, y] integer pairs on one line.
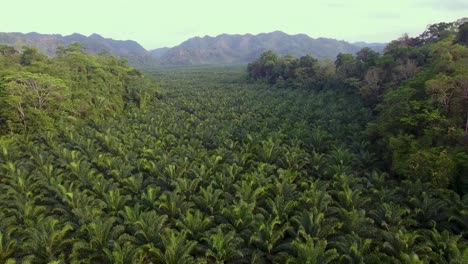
{"points": [[222, 49]]}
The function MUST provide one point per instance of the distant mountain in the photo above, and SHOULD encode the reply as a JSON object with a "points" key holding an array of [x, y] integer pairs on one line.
{"points": [[379, 47], [229, 49], [158, 53], [223, 49], [94, 44]]}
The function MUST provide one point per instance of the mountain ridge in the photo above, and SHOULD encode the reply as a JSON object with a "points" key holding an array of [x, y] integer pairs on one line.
{"points": [[221, 49], [93, 44], [237, 48]]}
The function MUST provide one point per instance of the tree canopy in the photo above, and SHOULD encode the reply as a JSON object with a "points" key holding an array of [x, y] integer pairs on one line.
{"points": [[295, 160], [37, 91]]}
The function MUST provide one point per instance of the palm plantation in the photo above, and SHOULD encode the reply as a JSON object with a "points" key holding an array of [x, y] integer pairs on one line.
{"points": [[212, 165]]}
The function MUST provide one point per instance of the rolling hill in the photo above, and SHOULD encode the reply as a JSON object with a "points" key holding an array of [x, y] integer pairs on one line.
{"points": [[234, 49], [94, 44], [222, 49]]}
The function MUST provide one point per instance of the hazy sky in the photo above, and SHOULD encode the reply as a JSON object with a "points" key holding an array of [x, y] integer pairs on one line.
{"points": [[158, 23]]}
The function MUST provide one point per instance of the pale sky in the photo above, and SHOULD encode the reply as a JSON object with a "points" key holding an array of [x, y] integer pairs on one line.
{"points": [[159, 23]]}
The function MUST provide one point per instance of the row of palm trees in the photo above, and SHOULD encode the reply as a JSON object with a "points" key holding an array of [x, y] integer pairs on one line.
{"points": [[219, 171]]}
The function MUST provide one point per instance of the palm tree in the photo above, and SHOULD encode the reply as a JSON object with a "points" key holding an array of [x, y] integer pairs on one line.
{"points": [[186, 186], [246, 191], [390, 216], [350, 198], [446, 248], [25, 211], [126, 254], [315, 224], [213, 162], [100, 236], [150, 198], [294, 157], [195, 223], [83, 172], [201, 171], [411, 258], [121, 170], [364, 158], [149, 228], [7, 245], [48, 240], [459, 219], [315, 195], [281, 207], [318, 138], [403, 242], [269, 237], [232, 171], [223, 182], [354, 220], [268, 151], [115, 201], [80, 204], [208, 199], [311, 251], [242, 218], [102, 186], [177, 249], [173, 204], [133, 184], [353, 249], [430, 212], [18, 180], [89, 147], [290, 177], [318, 163], [223, 246]]}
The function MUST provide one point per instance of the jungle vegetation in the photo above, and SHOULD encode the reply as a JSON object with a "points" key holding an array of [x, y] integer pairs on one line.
{"points": [[290, 161]]}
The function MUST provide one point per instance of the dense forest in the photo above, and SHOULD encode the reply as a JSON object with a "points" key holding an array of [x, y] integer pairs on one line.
{"points": [[292, 160], [417, 89]]}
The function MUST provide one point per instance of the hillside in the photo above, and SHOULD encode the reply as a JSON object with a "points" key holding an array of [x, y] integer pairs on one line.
{"points": [[232, 49], [223, 49], [94, 44]]}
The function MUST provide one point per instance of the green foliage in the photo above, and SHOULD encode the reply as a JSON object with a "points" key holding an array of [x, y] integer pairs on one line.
{"points": [[7, 246], [31, 55], [223, 246], [221, 170], [312, 252], [347, 66], [38, 92], [31, 99], [176, 249], [304, 72], [430, 109], [417, 91], [231, 173]]}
